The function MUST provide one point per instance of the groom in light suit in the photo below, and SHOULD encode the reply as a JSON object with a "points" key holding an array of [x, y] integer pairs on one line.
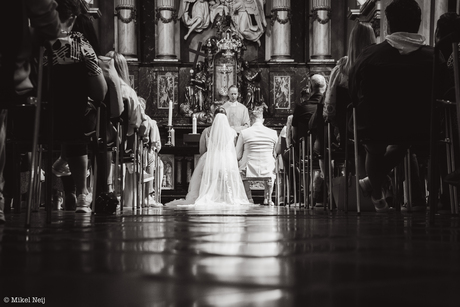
{"points": [[255, 153]]}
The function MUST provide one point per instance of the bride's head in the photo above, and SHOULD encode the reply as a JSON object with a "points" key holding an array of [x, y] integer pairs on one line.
{"points": [[220, 110]]}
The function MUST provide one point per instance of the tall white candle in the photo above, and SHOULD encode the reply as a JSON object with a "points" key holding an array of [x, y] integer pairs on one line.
{"points": [[170, 113], [194, 124]]}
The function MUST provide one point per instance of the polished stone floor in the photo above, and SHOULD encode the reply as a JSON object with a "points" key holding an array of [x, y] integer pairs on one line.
{"points": [[259, 256]]}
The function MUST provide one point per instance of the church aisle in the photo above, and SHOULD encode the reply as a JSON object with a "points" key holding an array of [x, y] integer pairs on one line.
{"points": [[262, 256]]}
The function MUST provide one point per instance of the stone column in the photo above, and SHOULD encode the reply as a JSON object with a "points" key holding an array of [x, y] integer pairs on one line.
{"points": [[281, 31], [126, 28], [166, 17], [321, 12], [321, 59]]}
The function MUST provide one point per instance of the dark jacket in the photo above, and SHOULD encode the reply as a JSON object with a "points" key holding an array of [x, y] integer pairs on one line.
{"points": [[392, 92], [303, 114]]}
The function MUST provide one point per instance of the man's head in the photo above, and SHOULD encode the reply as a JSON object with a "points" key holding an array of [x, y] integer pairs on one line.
{"points": [[233, 93], [317, 84], [256, 115], [403, 16], [68, 11]]}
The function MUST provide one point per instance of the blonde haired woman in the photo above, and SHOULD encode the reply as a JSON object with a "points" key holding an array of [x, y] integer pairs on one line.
{"points": [[337, 97], [132, 114]]}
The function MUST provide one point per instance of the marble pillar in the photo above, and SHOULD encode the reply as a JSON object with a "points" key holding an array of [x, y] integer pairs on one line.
{"points": [[166, 17], [321, 59], [281, 31], [126, 35], [321, 12]]}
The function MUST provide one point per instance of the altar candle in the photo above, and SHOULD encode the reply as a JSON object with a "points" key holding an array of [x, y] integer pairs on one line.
{"points": [[194, 124], [170, 113]]}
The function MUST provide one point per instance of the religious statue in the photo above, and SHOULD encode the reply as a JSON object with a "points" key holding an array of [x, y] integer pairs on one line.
{"points": [[199, 81], [195, 15], [251, 86], [249, 19], [186, 107]]}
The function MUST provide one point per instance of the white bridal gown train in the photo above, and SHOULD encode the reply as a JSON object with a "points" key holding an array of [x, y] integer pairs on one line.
{"points": [[216, 179]]}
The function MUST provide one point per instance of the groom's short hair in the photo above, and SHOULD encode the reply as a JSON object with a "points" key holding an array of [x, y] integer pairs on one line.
{"points": [[257, 113]]}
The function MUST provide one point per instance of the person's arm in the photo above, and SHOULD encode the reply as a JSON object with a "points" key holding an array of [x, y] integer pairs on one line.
{"points": [[97, 86], [293, 134], [330, 100], [155, 138], [276, 140], [134, 116], [246, 122], [289, 131], [278, 145], [354, 80], [239, 147], [203, 147]]}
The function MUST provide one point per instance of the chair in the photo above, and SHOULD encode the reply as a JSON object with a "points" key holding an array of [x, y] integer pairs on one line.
{"points": [[306, 170], [452, 39], [267, 181], [333, 156]]}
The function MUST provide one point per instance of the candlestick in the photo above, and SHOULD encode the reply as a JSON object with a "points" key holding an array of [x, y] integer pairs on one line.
{"points": [[170, 113], [173, 136], [194, 124]]}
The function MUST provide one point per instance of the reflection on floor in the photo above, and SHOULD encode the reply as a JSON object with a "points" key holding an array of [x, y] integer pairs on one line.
{"points": [[261, 256]]}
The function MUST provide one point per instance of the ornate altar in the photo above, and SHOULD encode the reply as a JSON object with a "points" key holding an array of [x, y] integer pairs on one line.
{"points": [[212, 78]]}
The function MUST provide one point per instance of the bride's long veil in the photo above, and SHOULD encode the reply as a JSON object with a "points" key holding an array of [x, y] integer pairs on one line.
{"points": [[221, 182]]}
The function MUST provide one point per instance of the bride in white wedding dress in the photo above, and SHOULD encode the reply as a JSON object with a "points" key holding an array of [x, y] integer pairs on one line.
{"points": [[216, 179]]}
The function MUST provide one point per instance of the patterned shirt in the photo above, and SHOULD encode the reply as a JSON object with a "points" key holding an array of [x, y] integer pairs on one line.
{"points": [[75, 48]]}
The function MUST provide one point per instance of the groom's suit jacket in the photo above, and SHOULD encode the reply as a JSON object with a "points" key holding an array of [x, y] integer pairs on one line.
{"points": [[255, 151]]}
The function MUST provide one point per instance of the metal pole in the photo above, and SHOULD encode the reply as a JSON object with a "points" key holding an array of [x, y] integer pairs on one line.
{"points": [[355, 136], [38, 107]]}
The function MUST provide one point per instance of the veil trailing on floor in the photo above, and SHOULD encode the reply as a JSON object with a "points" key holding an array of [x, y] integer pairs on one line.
{"points": [[216, 179], [221, 181]]}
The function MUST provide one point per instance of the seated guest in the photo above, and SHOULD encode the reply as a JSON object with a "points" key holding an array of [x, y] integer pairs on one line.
{"points": [[255, 151], [307, 118], [150, 136], [15, 59], [74, 61], [237, 113], [390, 86], [132, 108], [311, 97], [132, 115], [449, 22], [285, 154], [280, 148], [336, 97]]}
